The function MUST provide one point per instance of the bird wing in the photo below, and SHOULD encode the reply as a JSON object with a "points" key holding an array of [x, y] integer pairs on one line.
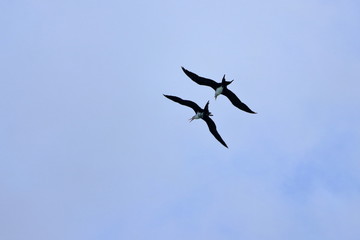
{"points": [[236, 101], [212, 128], [200, 80], [188, 103]]}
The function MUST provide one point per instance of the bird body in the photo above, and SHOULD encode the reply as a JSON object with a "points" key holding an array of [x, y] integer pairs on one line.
{"points": [[218, 91], [220, 88], [202, 113], [197, 116]]}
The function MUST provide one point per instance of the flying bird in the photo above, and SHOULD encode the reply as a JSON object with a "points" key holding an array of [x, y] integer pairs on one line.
{"points": [[204, 114], [220, 88]]}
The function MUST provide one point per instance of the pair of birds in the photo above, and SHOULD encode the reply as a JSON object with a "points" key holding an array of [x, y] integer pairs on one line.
{"points": [[204, 113]]}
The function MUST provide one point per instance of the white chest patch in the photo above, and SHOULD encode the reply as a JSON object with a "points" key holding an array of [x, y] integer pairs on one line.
{"points": [[218, 91], [199, 115]]}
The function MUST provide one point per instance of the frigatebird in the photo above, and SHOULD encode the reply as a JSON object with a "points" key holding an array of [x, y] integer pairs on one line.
{"points": [[204, 114], [220, 88]]}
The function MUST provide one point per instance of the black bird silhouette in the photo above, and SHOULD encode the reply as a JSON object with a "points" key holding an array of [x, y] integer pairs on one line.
{"points": [[220, 88], [204, 114]]}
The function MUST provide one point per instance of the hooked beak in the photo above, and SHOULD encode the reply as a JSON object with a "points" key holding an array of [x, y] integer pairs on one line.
{"points": [[190, 120]]}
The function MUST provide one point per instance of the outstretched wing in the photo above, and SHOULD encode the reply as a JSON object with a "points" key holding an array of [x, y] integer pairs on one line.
{"points": [[188, 103], [212, 128], [236, 101], [200, 80]]}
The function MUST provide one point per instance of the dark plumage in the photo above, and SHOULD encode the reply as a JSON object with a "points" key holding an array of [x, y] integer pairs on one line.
{"points": [[204, 114], [220, 88]]}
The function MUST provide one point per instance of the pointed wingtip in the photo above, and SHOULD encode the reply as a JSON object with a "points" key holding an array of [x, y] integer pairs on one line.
{"points": [[184, 69], [224, 144], [248, 110]]}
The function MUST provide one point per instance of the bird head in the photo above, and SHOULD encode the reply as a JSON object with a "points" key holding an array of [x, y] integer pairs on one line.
{"points": [[192, 118], [197, 116]]}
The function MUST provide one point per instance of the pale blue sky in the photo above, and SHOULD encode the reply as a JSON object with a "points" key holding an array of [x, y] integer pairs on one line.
{"points": [[90, 148]]}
